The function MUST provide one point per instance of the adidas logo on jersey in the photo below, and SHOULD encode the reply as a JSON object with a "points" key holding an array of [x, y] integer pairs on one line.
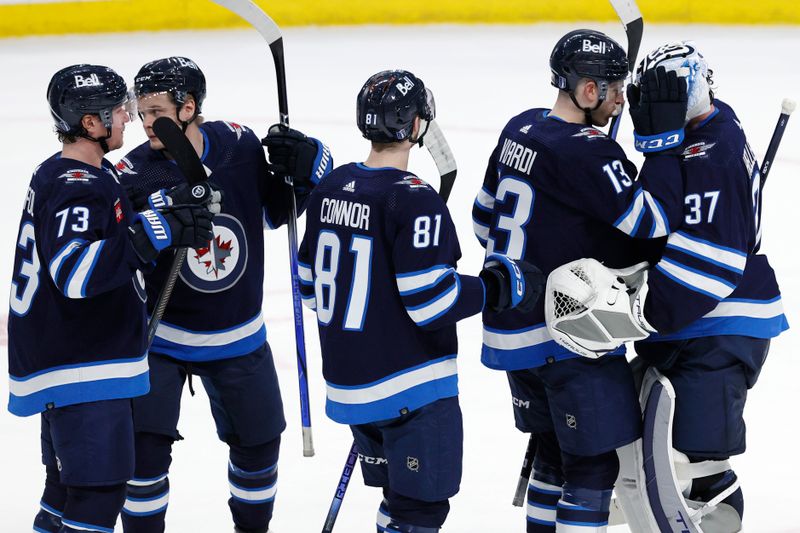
{"points": [[524, 129], [350, 187]]}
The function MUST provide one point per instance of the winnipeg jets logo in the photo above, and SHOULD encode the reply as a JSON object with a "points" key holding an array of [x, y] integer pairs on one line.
{"points": [[236, 128], [214, 255], [222, 262], [125, 166], [77, 176], [413, 182], [697, 149], [590, 133]]}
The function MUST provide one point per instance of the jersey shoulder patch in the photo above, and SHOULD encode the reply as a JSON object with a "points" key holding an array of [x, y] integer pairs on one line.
{"points": [[412, 182], [77, 175], [590, 133]]}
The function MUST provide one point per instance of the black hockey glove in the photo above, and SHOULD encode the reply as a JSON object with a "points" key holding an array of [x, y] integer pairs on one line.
{"points": [[293, 154], [658, 110], [171, 227], [202, 193], [511, 284]]}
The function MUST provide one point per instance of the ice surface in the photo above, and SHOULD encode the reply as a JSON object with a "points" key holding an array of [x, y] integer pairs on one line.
{"points": [[481, 76]]}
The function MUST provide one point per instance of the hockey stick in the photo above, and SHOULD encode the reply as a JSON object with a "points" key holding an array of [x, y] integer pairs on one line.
{"points": [[272, 35], [787, 107], [440, 151], [182, 151], [442, 156], [341, 488], [628, 12], [525, 472]]}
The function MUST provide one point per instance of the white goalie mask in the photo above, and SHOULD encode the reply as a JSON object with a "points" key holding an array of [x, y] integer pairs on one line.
{"points": [[688, 62]]}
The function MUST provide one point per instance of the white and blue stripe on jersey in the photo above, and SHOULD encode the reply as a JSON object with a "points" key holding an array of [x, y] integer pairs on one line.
{"points": [[187, 345], [429, 294], [644, 217], [74, 279], [71, 384], [408, 389], [482, 215]]}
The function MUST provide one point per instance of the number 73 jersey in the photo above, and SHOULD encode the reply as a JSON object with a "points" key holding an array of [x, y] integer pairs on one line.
{"points": [[77, 320], [377, 263]]}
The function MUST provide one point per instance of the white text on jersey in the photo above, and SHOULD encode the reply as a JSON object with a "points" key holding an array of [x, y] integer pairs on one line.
{"points": [[344, 213], [517, 156]]}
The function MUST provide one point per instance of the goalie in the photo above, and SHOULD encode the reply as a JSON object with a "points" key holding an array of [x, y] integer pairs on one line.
{"points": [[703, 314]]}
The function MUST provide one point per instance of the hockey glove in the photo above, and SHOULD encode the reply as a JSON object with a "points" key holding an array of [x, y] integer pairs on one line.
{"points": [[172, 227], [202, 193], [658, 110], [511, 284], [592, 310], [293, 154]]}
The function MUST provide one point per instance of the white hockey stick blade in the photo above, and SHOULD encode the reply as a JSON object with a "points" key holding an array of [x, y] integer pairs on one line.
{"points": [[440, 151], [627, 10], [255, 16]]}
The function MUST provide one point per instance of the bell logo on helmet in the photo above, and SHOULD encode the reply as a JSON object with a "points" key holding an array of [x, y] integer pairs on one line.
{"points": [[89, 81], [406, 86], [182, 61], [595, 48]]}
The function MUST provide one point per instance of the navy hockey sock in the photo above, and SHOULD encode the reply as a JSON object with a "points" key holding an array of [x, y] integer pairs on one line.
{"points": [[253, 479], [148, 492], [52, 504], [584, 509], [383, 518], [92, 509], [543, 498], [422, 514]]}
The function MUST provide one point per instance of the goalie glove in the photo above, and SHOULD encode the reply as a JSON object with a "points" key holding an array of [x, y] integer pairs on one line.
{"points": [[593, 310]]}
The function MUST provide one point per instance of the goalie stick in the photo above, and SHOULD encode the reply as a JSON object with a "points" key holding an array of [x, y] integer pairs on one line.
{"points": [[442, 156], [182, 151], [265, 26], [628, 12]]}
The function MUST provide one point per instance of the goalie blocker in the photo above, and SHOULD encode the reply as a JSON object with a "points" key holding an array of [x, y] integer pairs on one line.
{"points": [[592, 310]]}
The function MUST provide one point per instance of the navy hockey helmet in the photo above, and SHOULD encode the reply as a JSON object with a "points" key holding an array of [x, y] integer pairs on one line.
{"points": [[80, 90], [587, 54], [389, 102], [177, 76]]}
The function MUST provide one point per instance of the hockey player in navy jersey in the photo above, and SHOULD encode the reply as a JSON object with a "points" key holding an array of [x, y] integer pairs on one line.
{"points": [[378, 264], [77, 323], [558, 189], [213, 327], [714, 302]]}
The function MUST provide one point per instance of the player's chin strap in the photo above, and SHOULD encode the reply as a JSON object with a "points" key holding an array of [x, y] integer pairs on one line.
{"points": [[654, 478], [587, 111]]}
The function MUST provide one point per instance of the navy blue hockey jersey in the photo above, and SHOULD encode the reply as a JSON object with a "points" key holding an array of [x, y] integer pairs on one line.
{"points": [[378, 264], [555, 192], [215, 309], [712, 203], [77, 323]]}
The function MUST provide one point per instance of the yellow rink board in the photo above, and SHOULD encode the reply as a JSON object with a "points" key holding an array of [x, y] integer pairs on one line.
{"points": [[40, 17]]}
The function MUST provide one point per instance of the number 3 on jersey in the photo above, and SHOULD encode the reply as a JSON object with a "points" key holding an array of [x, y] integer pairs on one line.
{"points": [[21, 300], [327, 266], [513, 224]]}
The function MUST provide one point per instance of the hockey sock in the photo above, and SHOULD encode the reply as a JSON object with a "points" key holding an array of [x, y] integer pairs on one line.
{"points": [[92, 509], [543, 498], [52, 504], [584, 510], [407, 511], [253, 480], [148, 492], [383, 518]]}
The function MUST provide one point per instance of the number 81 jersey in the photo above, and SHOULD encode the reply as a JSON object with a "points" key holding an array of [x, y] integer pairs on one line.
{"points": [[77, 321], [378, 265]]}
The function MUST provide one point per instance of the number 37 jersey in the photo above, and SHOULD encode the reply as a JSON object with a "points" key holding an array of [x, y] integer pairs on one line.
{"points": [[378, 265]]}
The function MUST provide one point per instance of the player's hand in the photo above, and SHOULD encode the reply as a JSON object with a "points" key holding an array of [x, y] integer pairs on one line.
{"points": [[658, 104], [202, 193], [171, 227], [511, 284], [293, 154]]}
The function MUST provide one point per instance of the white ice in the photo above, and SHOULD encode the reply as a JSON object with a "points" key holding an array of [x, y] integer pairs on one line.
{"points": [[481, 76]]}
